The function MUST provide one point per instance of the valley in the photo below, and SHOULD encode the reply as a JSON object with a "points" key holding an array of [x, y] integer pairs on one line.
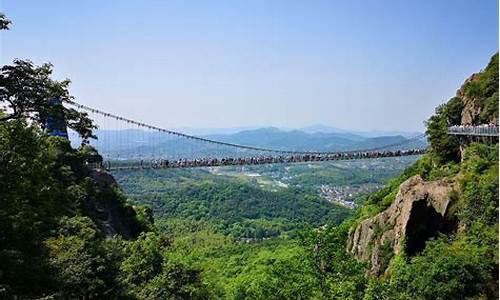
{"points": [[195, 155], [231, 222], [292, 195]]}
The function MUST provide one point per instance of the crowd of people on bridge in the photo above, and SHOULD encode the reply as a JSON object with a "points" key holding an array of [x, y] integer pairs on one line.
{"points": [[482, 129], [260, 160]]}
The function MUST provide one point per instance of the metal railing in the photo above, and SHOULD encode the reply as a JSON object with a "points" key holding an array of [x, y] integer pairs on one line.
{"points": [[477, 130], [208, 162]]}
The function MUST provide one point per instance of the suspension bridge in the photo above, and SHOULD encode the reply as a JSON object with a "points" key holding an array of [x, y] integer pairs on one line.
{"points": [[487, 130], [129, 145]]}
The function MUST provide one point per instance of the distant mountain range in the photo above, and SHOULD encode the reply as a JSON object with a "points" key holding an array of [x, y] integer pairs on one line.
{"points": [[310, 141], [134, 143], [317, 128], [372, 133]]}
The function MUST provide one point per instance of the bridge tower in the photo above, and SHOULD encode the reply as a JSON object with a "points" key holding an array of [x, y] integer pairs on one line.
{"points": [[55, 123]]}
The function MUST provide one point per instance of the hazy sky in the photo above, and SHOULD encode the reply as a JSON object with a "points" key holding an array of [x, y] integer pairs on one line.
{"points": [[351, 64]]}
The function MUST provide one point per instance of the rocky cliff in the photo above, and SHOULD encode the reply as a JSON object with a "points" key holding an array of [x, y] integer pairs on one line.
{"points": [[420, 210], [479, 95], [471, 108], [109, 212]]}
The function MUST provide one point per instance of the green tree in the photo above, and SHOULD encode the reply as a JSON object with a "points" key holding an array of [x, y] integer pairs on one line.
{"points": [[341, 276], [77, 259], [446, 269], [282, 274], [4, 22], [176, 281], [26, 90], [146, 273], [479, 185], [444, 147], [31, 202]]}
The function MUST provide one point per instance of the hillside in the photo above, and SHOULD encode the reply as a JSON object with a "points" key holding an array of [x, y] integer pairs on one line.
{"points": [[66, 231], [433, 232], [241, 206]]}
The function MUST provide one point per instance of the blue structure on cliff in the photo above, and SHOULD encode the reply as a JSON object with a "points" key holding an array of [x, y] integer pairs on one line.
{"points": [[55, 124]]}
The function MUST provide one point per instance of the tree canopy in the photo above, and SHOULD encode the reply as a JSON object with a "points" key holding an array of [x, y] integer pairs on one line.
{"points": [[4, 22], [26, 91]]}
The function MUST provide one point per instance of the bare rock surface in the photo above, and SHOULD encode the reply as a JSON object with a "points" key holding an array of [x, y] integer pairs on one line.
{"points": [[417, 213], [471, 110], [111, 214], [103, 176]]}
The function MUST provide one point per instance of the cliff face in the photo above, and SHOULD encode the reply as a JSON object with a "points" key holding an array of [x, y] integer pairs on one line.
{"points": [[110, 214], [420, 211], [479, 95], [471, 109]]}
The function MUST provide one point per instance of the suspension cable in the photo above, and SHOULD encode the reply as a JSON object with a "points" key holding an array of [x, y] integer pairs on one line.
{"points": [[234, 145]]}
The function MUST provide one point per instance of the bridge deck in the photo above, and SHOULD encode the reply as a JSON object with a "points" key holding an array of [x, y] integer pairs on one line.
{"points": [[203, 163], [480, 130]]}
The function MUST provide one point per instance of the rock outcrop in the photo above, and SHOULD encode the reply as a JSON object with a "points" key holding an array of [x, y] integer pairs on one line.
{"points": [[419, 211], [103, 177], [471, 110], [479, 96], [110, 213]]}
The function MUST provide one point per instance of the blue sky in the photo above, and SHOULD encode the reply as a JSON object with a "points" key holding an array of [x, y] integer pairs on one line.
{"points": [[359, 65]]}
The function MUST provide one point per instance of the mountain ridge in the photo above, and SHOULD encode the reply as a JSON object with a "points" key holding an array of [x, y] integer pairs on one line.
{"points": [[266, 137]]}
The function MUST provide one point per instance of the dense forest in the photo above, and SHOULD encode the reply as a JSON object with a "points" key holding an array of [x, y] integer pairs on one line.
{"points": [[241, 209], [70, 232]]}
